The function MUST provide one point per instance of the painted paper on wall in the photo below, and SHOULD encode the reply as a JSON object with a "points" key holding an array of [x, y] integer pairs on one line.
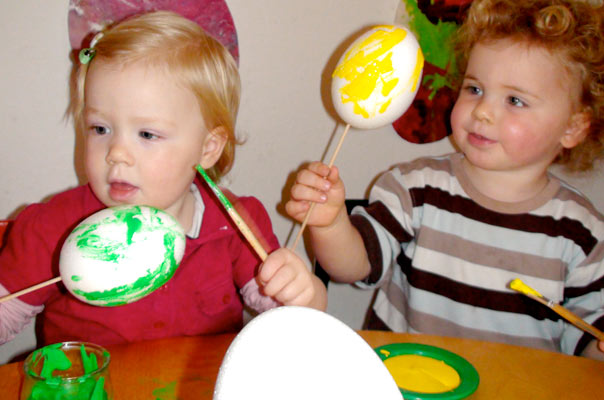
{"points": [[433, 22]]}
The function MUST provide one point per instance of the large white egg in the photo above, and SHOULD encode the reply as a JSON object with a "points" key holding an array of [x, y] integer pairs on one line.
{"points": [[378, 76], [121, 254], [298, 353]]}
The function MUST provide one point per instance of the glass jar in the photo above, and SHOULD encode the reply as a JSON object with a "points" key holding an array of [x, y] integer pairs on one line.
{"points": [[67, 371]]}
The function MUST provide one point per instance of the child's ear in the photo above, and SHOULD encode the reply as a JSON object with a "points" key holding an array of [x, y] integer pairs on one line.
{"points": [[577, 129], [213, 144]]}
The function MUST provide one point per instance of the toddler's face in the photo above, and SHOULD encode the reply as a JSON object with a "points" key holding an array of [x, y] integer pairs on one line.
{"points": [[144, 136], [514, 107]]}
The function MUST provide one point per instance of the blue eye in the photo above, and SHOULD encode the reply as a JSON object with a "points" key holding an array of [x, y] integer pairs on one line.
{"points": [[147, 135], [515, 101], [474, 90], [99, 130]]}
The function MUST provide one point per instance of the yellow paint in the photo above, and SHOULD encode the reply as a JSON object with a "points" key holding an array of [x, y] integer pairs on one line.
{"points": [[367, 67], [417, 71], [521, 287], [422, 374]]}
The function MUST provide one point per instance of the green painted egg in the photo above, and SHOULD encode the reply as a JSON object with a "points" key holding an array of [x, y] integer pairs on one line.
{"points": [[121, 254]]}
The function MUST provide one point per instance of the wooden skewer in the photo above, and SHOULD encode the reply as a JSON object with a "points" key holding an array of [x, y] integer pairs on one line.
{"points": [[565, 313], [312, 206], [243, 227], [29, 289]]}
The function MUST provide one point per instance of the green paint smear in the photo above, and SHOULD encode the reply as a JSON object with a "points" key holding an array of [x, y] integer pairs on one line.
{"points": [[53, 388], [137, 223], [223, 199], [165, 393], [144, 285], [435, 42], [95, 246]]}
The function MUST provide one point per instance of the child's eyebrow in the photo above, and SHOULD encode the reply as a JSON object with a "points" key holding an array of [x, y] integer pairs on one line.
{"points": [[90, 110], [521, 91]]}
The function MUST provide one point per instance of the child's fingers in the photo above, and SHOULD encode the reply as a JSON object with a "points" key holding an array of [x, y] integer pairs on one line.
{"points": [[279, 280], [319, 168], [285, 278], [306, 193], [297, 209], [334, 175], [272, 264], [312, 180]]}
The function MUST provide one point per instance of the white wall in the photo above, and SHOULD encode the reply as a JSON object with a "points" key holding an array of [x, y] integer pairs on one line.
{"points": [[287, 52]]}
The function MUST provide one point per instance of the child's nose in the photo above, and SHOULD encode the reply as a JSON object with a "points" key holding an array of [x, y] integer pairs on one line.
{"points": [[483, 112], [118, 152]]}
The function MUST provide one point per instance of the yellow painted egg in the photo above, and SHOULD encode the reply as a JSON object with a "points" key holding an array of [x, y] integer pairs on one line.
{"points": [[378, 76]]}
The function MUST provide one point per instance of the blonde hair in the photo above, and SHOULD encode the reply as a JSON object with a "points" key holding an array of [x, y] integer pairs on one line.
{"points": [[571, 29], [196, 60]]}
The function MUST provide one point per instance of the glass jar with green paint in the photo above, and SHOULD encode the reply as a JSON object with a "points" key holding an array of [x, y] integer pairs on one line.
{"points": [[68, 370]]}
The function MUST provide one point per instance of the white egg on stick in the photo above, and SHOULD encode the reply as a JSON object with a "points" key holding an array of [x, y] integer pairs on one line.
{"points": [[374, 83], [118, 255]]}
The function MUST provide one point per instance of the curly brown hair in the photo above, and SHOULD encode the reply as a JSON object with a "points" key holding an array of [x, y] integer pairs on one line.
{"points": [[573, 29]]}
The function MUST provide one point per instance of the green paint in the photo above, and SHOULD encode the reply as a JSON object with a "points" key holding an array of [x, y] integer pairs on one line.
{"points": [[95, 246], [76, 278], [436, 82], [132, 218], [52, 358], [223, 199], [89, 362], [435, 42], [139, 225], [98, 392], [165, 393], [55, 387], [144, 285]]}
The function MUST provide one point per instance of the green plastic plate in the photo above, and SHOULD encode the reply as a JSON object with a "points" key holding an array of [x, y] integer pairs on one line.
{"points": [[467, 373]]}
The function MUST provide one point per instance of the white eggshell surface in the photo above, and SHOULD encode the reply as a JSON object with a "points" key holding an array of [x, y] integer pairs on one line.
{"points": [[378, 76], [300, 353], [121, 254]]}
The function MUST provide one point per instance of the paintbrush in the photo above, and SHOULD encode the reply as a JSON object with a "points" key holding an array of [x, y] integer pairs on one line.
{"points": [[571, 317], [239, 222]]}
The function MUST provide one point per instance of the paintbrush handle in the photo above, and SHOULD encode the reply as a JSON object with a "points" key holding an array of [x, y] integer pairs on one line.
{"points": [[29, 289], [569, 316], [241, 225], [578, 321], [247, 233]]}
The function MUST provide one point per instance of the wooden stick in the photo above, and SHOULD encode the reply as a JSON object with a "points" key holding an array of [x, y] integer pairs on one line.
{"points": [[312, 206], [29, 289], [243, 227], [569, 316]]}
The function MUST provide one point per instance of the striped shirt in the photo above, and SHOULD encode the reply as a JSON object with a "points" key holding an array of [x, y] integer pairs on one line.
{"points": [[443, 254]]}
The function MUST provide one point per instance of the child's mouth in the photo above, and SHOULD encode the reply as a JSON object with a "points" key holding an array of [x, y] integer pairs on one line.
{"points": [[121, 191], [479, 140]]}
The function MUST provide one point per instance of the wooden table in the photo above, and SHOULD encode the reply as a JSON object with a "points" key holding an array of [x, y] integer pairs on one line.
{"points": [[186, 368]]}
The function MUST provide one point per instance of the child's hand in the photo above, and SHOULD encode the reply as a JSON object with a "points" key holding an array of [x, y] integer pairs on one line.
{"points": [[322, 185], [284, 277]]}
